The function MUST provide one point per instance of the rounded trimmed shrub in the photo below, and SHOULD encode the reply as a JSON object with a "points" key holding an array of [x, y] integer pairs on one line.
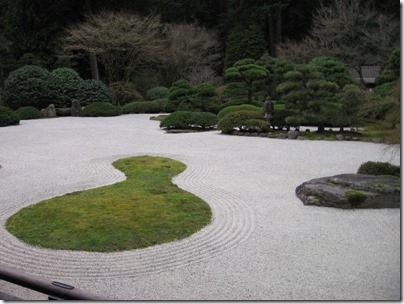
{"points": [[255, 125], [379, 168], [97, 109], [28, 86], [91, 90], [155, 106], [205, 90], [124, 92], [65, 83], [188, 119], [28, 113], [8, 117], [157, 93], [242, 107], [237, 120]]}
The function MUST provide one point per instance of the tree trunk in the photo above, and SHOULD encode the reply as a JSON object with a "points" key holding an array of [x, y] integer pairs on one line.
{"points": [[279, 27], [95, 74], [250, 94], [320, 129], [341, 129], [272, 35]]}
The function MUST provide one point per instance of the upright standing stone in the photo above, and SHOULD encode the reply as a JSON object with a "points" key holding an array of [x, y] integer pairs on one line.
{"points": [[76, 107], [51, 111]]}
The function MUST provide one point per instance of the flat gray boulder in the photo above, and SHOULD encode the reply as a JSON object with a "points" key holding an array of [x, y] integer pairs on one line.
{"points": [[349, 191]]}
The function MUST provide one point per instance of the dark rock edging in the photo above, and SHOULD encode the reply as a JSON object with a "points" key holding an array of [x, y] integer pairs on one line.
{"points": [[350, 191]]}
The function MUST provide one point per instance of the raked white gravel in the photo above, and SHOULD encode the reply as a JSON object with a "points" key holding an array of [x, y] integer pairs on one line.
{"points": [[262, 244]]}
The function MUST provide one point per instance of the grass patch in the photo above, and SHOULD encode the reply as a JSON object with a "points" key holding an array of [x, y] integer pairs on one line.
{"points": [[144, 210], [159, 117]]}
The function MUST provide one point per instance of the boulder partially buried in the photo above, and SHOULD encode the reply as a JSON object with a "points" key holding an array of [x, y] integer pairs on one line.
{"points": [[349, 191]]}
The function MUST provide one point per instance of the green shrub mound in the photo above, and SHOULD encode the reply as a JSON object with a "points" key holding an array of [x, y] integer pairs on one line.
{"points": [[64, 82], [155, 106], [238, 120], [97, 109], [188, 120], [235, 108], [91, 90], [8, 117], [157, 93], [379, 168], [279, 119], [28, 86], [255, 125], [28, 113]]}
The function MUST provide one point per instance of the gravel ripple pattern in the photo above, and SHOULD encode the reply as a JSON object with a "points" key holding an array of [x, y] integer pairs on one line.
{"points": [[262, 243]]}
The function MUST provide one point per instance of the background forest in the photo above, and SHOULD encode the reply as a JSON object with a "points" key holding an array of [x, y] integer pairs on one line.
{"points": [[204, 56]]}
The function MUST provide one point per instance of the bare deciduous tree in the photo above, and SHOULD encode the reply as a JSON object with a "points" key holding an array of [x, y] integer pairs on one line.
{"points": [[188, 47], [121, 42], [356, 34]]}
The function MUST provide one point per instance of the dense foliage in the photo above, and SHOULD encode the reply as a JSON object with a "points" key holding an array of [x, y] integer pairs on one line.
{"points": [[28, 86], [242, 107], [157, 93], [28, 113], [238, 121], [8, 117], [155, 106], [187, 120], [379, 168], [97, 109], [91, 90], [64, 84]]}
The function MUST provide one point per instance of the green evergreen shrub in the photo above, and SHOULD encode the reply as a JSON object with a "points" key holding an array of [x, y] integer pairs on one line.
{"points": [[28, 86], [65, 83], [379, 168], [97, 109], [242, 107], [384, 89], [8, 117], [28, 113], [279, 119], [91, 90], [237, 120], [255, 125], [244, 43], [157, 93], [189, 119], [205, 90], [143, 107], [204, 120], [124, 92]]}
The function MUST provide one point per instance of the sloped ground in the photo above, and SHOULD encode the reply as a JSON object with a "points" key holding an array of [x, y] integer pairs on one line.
{"points": [[263, 243]]}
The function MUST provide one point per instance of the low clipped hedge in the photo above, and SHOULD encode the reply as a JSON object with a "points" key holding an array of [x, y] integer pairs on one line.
{"points": [[188, 120], [155, 106], [8, 117], [239, 120], [379, 168], [242, 107], [97, 109], [28, 113]]}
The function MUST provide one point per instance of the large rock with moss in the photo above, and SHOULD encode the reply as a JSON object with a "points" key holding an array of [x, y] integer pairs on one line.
{"points": [[351, 191]]}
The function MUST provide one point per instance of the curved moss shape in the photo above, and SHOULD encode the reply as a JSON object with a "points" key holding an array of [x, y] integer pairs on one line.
{"points": [[144, 210]]}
